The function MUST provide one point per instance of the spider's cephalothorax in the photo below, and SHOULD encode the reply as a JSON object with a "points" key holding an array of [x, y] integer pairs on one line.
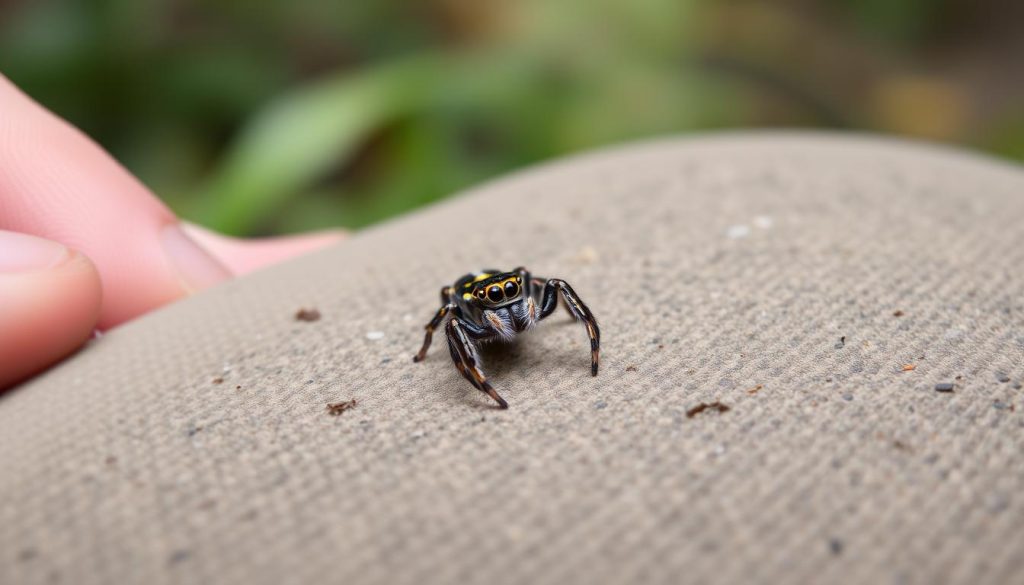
{"points": [[496, 305]]}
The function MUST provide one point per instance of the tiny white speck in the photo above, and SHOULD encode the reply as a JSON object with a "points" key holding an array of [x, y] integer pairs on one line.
{"points": [[763, 221], [586, 255], [954, 334], [407, 317], [375, 335], [737, 231]]}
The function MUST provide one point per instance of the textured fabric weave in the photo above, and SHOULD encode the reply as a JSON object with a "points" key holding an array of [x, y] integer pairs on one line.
{"points": [[795, 279]]}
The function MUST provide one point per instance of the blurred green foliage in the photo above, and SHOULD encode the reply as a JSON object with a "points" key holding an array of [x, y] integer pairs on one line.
{"points": [[268, 117]]}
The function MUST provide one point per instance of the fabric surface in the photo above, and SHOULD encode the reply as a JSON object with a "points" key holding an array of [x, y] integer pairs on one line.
{"points": [[794, 279]]}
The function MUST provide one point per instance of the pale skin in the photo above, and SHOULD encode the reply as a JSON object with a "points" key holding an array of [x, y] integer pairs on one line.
{"points": [[85, 246]]}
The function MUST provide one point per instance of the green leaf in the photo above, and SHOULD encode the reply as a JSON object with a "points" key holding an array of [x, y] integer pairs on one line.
{"points": [[303, 135]]}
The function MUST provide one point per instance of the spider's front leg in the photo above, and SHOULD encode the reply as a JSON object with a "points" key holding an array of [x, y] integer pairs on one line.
{"points": [[446, 306], [580, 311], [536, 283], [466, 359]]}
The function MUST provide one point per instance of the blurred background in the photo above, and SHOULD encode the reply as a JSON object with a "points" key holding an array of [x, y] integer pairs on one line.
{"points": [[269, 117]]}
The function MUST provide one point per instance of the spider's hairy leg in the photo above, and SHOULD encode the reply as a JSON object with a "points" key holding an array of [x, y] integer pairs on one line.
{"points": [[532, 287], [461, 365], [465, 357], [577, 309], [539, 284], [446, 295], [446, 306]]}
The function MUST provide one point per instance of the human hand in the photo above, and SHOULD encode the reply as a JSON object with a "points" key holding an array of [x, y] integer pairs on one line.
{"points": [[102, 248]]}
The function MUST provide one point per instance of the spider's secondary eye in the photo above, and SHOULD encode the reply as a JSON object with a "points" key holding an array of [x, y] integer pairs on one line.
{"points": [[494, 293], [480, 294], [511, 289]]}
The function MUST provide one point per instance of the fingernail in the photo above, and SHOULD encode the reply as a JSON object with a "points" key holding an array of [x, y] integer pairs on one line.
{"points": [[25, 253], [196, 268]]}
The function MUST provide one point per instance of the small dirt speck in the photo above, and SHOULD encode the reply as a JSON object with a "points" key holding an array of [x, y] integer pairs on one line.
{"points": [[110, 460], [336, 408], [900, 445], [842, 343], [238, 387], [716, 406], [178, 556], [600, 404], [630, 368], [909, 367], [897, 313], [27, 554], [218, 380], [944, 387], [755, 389], [835, 546], [1002, 377], [307, 315], [847, 396]]}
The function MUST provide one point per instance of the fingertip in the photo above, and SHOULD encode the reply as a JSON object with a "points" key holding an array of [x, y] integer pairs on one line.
{"points": [[58, 184], [46, 314]]}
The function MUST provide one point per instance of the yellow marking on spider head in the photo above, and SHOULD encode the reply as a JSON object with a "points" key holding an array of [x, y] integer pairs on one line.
{"points": [[477, 279], [467, 296]]}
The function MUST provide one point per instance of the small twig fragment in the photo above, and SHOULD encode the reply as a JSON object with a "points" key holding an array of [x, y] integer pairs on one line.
{"points": [[308, 315], [716, 406], [336, 408]]}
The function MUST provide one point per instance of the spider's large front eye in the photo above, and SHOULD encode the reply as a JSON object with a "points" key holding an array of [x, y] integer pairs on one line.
{"points": [[511, 289], [494, 293]]}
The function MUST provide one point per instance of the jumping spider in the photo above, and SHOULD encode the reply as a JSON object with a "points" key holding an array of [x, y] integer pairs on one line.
{"points": [[492, 305]]}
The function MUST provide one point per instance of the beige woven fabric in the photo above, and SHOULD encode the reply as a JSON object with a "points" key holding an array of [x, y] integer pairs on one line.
{"points": [[790, 277]]}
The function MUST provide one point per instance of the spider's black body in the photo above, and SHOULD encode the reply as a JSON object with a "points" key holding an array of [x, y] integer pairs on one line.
{"points": [[492, 304]]}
